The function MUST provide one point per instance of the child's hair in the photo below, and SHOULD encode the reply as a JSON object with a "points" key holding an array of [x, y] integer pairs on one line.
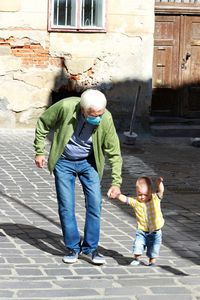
{"points": [[144, 180]]}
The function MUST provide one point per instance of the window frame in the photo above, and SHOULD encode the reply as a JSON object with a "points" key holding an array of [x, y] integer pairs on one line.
{"points": [[77, 28]]}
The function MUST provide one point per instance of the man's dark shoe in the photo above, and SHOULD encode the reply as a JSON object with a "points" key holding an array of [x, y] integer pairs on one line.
{"points": [[71, 257]]}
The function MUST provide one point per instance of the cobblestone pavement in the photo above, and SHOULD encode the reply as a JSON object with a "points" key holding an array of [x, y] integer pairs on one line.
{"points": [[31, 246]]}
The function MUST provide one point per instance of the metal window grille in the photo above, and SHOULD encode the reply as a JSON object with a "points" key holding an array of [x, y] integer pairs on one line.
{"points": [[78, 13], [177, 1], [91, 13], [64, 12]]}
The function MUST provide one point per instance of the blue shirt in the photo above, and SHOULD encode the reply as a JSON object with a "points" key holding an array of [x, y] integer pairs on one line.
{"points": [[80, 144]]}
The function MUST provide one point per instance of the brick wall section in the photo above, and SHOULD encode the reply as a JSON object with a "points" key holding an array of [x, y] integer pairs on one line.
{"points": [[31, 54]]}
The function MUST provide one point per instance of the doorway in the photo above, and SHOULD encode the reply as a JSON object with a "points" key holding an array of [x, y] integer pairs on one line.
{"points": [[176, 66]]}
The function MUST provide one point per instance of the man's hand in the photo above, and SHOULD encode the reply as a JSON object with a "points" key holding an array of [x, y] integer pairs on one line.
{"points": [[40, 161], [113, 192]]}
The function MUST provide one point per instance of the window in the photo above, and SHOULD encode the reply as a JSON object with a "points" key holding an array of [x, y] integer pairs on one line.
{"points": [[77, 15], [178, 1]]}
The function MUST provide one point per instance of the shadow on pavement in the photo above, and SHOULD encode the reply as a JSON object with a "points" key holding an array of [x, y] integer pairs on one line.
{"points": [[11, 199], [119, 258], [44, 240], [173, 270], [50, 242]]}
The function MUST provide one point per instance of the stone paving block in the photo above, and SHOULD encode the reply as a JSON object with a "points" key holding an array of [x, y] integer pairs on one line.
{"points": [[21, 284], [89, 271], [5, 271], [6, 294], [148, 282], [7, 245], [170, 290], [114, 271], [190, 281], [85, 283], [58, 271], [192, 271], [28, 272], [142, 270], [164, 297], [56, 293], [4, 251], [117, 291]]}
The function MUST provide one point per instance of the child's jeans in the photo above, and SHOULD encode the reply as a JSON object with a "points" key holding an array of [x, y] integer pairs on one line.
{"points": [[147, 240]]}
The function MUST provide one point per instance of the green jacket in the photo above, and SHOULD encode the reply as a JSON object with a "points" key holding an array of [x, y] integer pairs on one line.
{"points": [[62, 118]]}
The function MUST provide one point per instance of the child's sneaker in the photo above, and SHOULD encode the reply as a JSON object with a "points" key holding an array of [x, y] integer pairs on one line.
{"points": [[135, 262], [152, 265]]}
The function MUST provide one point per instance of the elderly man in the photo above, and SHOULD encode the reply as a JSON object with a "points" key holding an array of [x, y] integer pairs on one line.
{"points": [[83, 133]]}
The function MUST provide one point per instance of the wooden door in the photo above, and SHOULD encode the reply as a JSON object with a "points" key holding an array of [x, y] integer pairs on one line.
{"points": [[190, 70], [176, 67]]}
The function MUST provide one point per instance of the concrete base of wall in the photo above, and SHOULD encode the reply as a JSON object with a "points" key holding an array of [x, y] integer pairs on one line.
{"points": [[175, 130]]}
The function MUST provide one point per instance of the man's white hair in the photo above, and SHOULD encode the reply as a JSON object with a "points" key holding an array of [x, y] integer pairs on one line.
{"points": [[93, 99]]}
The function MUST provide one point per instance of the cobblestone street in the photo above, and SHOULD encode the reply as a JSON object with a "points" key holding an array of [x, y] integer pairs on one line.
{"points": [[31, 246]]}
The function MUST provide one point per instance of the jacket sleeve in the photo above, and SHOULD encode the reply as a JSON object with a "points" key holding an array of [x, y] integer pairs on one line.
{"points": [[45, 123], [113, 153]]}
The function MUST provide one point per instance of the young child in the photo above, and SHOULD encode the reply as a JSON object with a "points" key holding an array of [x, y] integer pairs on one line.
{"points": [[149, 218]]}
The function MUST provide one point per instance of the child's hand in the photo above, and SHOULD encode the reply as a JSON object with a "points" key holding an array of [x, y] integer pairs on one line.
{"points": [[159, 180], [160, 186]]}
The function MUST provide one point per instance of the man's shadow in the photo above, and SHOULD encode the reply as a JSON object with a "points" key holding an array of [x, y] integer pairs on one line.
{"points": [[50, 242], [44, 240]]}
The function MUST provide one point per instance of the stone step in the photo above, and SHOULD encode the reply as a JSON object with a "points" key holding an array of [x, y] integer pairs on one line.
{"points": [[175, 130]]}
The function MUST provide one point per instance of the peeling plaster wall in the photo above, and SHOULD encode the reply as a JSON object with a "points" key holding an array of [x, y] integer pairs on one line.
{"points": [[37, 66]]}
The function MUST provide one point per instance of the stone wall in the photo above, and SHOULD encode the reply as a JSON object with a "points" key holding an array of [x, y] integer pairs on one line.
{"points": [[38, 68]]}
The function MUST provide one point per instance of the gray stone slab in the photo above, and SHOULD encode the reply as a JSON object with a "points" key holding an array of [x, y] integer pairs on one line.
{"points": [[164, 297], [28, 272], [170, 290], [85, 283], [56, 293], [159, 281], [17, 284], [58, 271], [117, 291], [6, 294]]}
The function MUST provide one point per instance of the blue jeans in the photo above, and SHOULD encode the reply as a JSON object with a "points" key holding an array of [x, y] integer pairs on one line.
{"points": [[65, 173], [150, 241]]}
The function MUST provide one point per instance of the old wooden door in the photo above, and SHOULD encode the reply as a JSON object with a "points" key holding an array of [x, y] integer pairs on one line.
{"points": [[176, 67]]}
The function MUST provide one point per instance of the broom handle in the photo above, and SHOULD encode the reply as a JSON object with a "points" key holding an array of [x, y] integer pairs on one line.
{"points": [[134, 108]]}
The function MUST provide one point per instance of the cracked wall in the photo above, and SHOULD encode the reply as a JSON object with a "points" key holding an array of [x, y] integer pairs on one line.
{"points": [[38, 68]]}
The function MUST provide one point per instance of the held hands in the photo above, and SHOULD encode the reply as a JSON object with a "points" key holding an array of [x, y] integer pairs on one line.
{"points": [[113, 192], [40, 161]]}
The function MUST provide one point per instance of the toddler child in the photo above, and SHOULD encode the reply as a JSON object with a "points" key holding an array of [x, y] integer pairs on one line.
{"points": [[149, 218]]}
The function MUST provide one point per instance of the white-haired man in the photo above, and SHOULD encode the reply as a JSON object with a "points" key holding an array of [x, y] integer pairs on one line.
{"points": [[83, 133]]}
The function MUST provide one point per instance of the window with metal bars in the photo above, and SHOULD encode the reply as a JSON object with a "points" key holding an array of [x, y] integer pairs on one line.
{"points": [[77, 15], [177, 1]]}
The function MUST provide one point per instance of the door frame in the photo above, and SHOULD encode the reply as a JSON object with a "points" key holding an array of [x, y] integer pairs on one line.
{"points": [[177, 8]]}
